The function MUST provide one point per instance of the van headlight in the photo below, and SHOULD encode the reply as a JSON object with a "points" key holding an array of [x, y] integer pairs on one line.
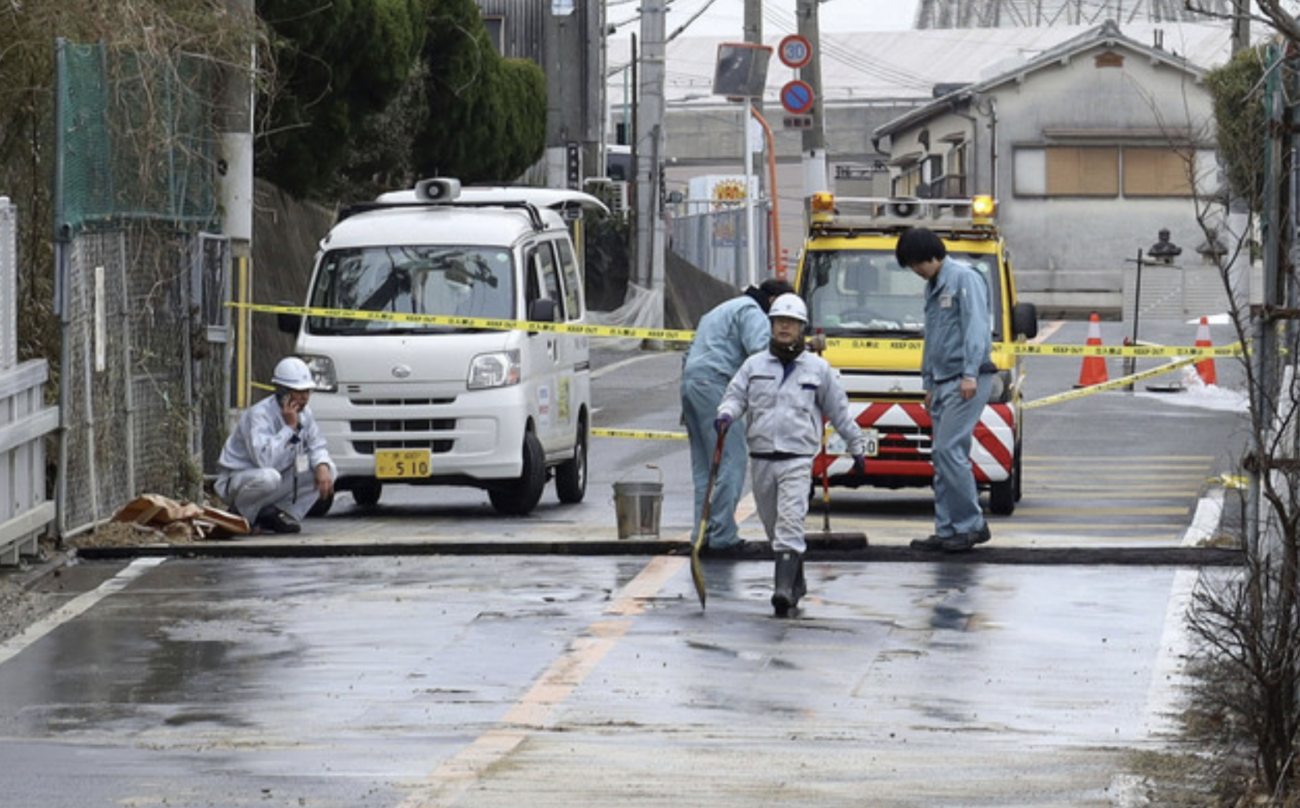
{"points": [[322, 372], [497, 369]]}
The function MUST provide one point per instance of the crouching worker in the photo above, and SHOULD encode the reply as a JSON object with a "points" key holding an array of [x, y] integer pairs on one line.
{"points": [[275, 466], [787, 392]]}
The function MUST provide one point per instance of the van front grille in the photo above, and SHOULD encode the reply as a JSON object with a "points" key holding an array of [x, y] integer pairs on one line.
{"points": [[368, 447]]}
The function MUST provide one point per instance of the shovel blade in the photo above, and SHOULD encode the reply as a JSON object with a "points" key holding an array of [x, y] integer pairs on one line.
{"points": [[697, 569]]}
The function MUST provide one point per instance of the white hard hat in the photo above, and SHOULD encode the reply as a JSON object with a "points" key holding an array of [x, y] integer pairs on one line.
{"points": [[292, 372], [789, 305]]}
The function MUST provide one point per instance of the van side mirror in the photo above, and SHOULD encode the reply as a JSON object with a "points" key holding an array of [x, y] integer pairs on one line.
{"points": [[286, 322], [1024, 320], [542, 310]]}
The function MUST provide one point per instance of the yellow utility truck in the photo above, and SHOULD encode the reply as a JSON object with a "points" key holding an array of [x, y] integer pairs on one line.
{"points": [[872, 313]]}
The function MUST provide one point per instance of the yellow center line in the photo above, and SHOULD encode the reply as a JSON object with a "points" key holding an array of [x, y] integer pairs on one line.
{"points": [[536, 708]]}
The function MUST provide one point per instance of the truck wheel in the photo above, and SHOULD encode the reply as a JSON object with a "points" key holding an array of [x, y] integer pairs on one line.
{"points": [[520, 496], [1003, 495], [571, 475], [366, 494], [321, 507], [1019, 478]]}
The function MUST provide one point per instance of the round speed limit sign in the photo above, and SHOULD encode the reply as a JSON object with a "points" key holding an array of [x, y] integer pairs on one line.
{"points": [[795, 51]]}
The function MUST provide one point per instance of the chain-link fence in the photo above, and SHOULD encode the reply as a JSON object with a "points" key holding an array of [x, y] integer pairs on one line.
{"points": [[141, 285], [713, 238]]}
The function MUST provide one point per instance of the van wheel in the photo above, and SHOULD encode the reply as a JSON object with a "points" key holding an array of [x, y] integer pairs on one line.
{"points": [[571, 475], [321, 507], [520, 496], [366, 494]]}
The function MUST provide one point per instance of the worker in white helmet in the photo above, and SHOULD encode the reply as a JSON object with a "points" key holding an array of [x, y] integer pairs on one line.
{"points": [[275, 466], [787, 392]]}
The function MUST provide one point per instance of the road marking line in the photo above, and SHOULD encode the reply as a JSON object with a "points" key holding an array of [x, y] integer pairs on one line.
{"points": [[536, 708], [1169, 679], [76, 607]]}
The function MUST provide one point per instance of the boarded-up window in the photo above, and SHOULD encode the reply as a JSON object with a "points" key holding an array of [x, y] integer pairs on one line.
{"points": [[1083, 171], [908, 183], [1156, 172]]}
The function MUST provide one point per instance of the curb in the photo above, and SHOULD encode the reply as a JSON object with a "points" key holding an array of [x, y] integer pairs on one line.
{"points": [[752, 551]]}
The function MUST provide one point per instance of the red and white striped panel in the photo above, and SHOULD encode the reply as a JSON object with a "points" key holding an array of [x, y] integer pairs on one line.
{"points": [[905, 441]]}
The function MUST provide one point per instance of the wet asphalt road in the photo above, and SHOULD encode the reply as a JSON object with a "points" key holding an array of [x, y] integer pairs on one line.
{"points": [[492, 680], [501, 681]]}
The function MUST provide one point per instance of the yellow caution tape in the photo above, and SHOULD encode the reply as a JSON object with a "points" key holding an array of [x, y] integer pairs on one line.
{"points": [[1233, 481], [581, 329], [637, 434], [683, 335], [1125, 350], [1029, 349], [1123, 381]]}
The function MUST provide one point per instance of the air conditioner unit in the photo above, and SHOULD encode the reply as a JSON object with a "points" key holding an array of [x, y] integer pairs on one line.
{"points": [[907, 208], [614, 193]]}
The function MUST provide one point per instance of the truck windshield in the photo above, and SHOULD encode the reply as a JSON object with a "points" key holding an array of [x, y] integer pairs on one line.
{"points": [[866, 292], [451, 281]]}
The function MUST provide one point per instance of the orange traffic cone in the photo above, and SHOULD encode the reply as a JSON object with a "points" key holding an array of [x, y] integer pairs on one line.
{"points": [[1205, 367], [1094, 367]]}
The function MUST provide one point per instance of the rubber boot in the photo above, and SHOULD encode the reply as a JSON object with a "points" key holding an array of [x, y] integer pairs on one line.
{"points": [[785, 595], [800, 585]]}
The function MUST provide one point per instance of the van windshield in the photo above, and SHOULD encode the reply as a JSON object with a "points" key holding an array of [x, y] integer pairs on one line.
{"points": [[866, 292], [451, 281]]}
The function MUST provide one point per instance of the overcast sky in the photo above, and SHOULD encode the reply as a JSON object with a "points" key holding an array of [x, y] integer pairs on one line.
{"points": [[727, 17]]}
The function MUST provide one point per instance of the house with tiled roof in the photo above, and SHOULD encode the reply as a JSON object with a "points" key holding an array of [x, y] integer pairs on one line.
{"points": [[1091, 148]]}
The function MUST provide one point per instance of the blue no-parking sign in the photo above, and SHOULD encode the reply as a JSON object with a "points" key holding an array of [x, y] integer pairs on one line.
{"points": [[797, 97]]}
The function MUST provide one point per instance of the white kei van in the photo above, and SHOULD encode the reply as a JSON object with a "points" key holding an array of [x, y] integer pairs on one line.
{"points": [[406, 402]]}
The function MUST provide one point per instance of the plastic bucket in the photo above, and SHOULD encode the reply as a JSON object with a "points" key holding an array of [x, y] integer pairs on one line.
{"points": [[637, 506]]}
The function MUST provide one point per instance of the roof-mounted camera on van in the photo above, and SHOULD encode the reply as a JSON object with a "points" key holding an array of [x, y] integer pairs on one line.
{"points": [[437, 189]]}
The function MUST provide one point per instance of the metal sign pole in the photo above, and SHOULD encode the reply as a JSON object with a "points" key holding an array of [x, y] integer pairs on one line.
{"points": [[750, 257]]}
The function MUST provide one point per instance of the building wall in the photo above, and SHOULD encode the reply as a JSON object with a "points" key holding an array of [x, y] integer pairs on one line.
{"points": [[1065, 246]]}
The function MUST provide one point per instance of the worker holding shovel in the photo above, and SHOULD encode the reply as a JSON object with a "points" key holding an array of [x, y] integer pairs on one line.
{"points": [[787, 392]]}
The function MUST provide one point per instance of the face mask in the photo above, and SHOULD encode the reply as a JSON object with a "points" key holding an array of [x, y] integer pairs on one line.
{"points": [[786, 353]]}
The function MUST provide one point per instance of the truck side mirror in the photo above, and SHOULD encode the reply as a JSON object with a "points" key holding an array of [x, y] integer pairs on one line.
{"points": [[1024, 320]]}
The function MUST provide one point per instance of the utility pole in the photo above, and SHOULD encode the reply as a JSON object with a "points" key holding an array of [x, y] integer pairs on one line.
{"points": [[649, 150], [814, 138], [754, 35], [235, 170], [564, 130], [1240, 25]]}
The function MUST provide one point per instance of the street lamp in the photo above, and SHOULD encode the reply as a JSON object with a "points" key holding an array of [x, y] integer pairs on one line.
{"points": [[1162, 253]]}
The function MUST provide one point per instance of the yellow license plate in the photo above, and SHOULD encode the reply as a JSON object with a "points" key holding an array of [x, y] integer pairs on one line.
{"points": [[397, 464]]}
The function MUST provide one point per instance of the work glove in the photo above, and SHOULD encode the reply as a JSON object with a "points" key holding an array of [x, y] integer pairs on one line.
{"points": [[859, 464], [721, 423], [817, 343]]}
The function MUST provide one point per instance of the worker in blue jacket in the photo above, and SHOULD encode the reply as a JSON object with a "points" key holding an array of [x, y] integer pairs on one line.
{"points": [[726, 336], [957, 376]]}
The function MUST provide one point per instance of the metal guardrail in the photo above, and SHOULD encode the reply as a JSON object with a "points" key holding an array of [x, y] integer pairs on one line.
{"points": [[25, 419]]}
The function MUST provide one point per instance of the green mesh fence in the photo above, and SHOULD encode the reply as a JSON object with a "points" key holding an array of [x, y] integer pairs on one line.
{"points": [[136, 138], [143, 280]]}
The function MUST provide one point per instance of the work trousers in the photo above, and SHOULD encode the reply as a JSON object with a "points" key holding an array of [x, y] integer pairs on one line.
{"points": [[956, 499], [700, 399], [781, 490], [250, 491]]}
